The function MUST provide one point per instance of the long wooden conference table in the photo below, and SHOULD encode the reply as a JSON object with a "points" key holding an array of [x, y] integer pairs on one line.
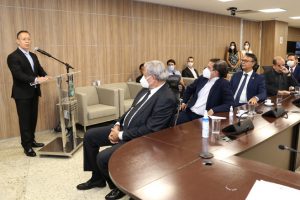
{"points": [[166, 165]]}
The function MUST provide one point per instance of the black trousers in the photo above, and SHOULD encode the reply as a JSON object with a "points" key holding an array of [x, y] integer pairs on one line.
{"points": [[96, 161], [27, 112]]}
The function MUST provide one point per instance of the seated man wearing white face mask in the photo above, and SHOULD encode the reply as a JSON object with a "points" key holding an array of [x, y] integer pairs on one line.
{"points": [[293, 67], [152, 110], [209, 92]]}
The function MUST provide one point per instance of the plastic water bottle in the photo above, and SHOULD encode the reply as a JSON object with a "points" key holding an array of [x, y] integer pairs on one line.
{"points": [[205, 125], [71, 88], [231, 115]]}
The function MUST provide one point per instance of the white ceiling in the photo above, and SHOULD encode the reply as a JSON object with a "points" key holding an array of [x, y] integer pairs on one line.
{"points": [[215, 6]]}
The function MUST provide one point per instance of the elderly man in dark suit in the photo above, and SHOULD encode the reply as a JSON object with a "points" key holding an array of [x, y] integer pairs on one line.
{"points": [[152, 110], [248, 86], [209, 92], [26, 69], [279, 80]]}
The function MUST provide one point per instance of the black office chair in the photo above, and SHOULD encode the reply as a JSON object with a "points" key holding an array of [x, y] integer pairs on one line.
{"points": [[174, 84]]}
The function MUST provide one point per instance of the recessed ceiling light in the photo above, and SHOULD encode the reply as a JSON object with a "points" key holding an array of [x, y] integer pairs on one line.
{"points": [[272, 10], [296, 17], [225, 0]]}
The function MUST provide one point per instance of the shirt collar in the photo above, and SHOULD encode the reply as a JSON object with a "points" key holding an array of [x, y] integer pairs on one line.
{"points": [[153, 90], [249, 73], [213, 79], [25, 52]]}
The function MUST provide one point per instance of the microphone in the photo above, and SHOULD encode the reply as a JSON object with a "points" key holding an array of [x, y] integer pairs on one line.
{"points": [[283, 147], [238, 128], [241, 116], [42, 52]]}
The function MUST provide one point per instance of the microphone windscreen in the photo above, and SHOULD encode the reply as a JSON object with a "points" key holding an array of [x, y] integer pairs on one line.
{"points": [[282, 147]]}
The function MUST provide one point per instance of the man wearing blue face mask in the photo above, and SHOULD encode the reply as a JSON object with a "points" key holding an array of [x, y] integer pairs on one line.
{"points": [[175, 79], [210, 92]]}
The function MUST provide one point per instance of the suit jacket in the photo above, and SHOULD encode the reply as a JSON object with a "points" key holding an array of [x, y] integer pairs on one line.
{"points": [[296, 74], [256, 85], [23, 74], [220, 96], [154, 115], [277, 81], [187, 73]]}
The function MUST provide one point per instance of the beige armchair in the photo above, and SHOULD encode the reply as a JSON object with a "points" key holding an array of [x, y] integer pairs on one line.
{"points": [[127, 93], [96, 105], [187, 81]]}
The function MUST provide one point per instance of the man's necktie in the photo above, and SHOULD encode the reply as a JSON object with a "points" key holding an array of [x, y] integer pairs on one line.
{"points": [[238, 95], [135, 108]]}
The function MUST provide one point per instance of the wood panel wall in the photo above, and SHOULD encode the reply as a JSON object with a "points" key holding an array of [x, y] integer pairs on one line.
{"points": [[294, 34], [107, 40], [251, 33]]}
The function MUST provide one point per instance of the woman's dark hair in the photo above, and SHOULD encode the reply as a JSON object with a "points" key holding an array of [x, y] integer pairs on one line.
{"points": [[172, 61], [235, 49], [221, 66], [141, 65]]}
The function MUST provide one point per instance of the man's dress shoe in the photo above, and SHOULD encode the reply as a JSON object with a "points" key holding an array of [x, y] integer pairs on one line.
{"points": [[36, 144], [91, 184], [114, 194], [29, 152]]}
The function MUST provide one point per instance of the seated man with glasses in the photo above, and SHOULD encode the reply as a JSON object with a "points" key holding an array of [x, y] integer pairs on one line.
{"points": [[278, 78], [210, 92], [248, 86]]}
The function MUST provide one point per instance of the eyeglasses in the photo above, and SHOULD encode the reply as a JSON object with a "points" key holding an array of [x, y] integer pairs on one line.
{"points": [[247, 61]]}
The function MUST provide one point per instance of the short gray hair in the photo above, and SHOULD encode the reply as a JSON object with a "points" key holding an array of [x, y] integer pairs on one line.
{"points": [[157, 69]]}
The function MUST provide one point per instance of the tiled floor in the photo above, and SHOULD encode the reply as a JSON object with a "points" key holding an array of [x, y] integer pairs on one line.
{"points": [[26, 178]]}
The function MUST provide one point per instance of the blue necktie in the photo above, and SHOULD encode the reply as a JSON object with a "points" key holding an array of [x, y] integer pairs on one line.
{"points": [[238, 95]]}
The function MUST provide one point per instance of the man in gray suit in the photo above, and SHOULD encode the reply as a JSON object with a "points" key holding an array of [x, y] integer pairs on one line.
{"points": [[152, 110]]}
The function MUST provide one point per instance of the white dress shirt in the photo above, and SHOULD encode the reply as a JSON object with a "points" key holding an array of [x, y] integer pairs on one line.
{"points": [[243, 97], [200, 104], [193, 72]]}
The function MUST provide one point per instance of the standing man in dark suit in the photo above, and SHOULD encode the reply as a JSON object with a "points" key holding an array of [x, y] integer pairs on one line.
{"points": [[293, 67], [26, 69], [152, 110], [247, 85], [279, 80], [189, 70], [209, 92]]}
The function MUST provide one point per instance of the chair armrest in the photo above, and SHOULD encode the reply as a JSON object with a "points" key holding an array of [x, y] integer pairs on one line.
{"points": [[82, 107], [108, 96], [134, 88], [187, 81]]}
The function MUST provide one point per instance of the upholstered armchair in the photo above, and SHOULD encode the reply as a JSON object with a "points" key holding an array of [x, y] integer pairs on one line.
{"points": [[96, 105], [187, 81], [127, 93]]}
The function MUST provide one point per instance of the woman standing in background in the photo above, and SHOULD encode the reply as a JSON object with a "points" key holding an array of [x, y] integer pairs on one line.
{"points": [[246, 49], [233, 57]]}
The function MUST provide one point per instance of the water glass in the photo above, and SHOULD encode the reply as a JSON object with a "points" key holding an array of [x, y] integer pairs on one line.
{"points": [[297, 91], [251, 109], [216, 126], [278, 100]]}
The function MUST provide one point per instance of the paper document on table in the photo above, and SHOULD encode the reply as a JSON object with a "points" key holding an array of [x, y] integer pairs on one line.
{"points": [[217, 117], [268, 190]]}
